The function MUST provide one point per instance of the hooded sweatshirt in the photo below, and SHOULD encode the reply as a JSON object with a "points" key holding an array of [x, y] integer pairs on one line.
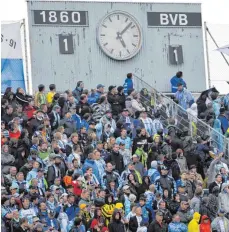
{"points": [[205, 227], [193, 225], [224, 199]]}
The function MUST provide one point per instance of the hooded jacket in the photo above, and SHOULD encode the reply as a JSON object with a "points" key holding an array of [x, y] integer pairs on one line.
{"points": [[92, 164], [193, 225], [224, 199], [205, 227], [116, 225]]}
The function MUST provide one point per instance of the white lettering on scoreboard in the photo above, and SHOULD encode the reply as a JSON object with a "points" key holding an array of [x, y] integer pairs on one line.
{"points": [[174, 19]]}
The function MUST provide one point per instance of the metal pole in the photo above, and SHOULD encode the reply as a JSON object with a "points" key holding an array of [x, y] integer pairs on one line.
{"points": [[207, 54], [26, 58], [217, 45]]}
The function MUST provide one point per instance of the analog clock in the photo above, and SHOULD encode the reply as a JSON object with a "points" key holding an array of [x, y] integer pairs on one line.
{"points": [[119, 35]]}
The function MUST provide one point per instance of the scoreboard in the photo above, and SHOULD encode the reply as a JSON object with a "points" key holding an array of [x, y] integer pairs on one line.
{"points": [[99, 42]]}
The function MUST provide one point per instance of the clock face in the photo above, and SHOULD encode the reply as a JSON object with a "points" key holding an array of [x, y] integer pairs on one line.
{"points": [[119, 35]]}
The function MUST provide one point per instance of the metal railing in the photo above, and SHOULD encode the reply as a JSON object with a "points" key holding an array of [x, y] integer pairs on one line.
{"points": [[157, 101]]}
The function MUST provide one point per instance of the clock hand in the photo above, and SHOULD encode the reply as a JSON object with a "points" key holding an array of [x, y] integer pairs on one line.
{"points": [[125, 29], [122, 42]]}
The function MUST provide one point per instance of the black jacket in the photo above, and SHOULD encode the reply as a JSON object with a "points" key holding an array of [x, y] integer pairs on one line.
{"points": [[156, 227], [114, 100], [22, 99], [116, 226], [133, 224], [83, 108], [212, 185], [117, 160]]}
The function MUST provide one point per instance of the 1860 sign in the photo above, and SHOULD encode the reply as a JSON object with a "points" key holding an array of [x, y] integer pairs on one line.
{"points": [[62, 18]]}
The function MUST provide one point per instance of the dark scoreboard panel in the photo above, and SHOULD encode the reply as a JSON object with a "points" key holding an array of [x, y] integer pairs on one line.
{"points": [[61, 18]]}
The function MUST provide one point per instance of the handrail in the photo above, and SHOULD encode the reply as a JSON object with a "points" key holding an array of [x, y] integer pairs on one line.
{"points": [[176, 109]]}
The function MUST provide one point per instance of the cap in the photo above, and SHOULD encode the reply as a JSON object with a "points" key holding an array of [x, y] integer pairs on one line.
{"points": [[92, 123], [14, 186], [63, 195], [39, 225], [126, 187], [111, 87], [222, 110], [164, 168], [100, 86], [40, 170], [119, 205], [121, 144], [36, 219], [135, 156], [125, 109], [221, 211], [56, 107], [82, 206], [120, 88], [159, 213], [99, 142]]}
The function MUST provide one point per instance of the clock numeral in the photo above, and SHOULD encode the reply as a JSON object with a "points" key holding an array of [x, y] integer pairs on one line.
{"points": [[102, 34], [120, 53], [104, 26], [105, 44], [126, 20], [128, 51], [134, 44], [135, 35], [133, 26], [110, 19], [118, 17], [112, 51]]}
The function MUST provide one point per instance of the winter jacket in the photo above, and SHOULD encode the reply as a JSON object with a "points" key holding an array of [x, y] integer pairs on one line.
{"points": [[166, 182], [128, 85], [77, 92], [116, 225], [193, 225], [101, 167], [185, 98], [117, 160], [205, 227], [153, 174], [218, 222], [114, 100], [83, 108], [224, 198], [185, 215], [136, 106], [176, 80], [213, 205], [195, 204], [22, 99], [92, 164], [177, 227], [156, 227], [224, 123], [69, 126]]}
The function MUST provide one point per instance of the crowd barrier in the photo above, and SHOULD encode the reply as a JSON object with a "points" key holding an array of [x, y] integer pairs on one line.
{"points": [[157, 101]]}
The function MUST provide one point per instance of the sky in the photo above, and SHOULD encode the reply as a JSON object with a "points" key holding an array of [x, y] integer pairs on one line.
{"points": [[214, 12]]}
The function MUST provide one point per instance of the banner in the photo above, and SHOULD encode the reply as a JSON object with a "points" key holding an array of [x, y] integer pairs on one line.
{"points": [[12, 74]]}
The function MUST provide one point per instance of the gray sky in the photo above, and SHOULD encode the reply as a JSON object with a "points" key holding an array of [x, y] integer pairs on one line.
{"points": [[215, 13]]}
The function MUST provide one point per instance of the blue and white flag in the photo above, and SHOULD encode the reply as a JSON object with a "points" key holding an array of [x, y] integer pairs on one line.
{"points": [[12, 74]]}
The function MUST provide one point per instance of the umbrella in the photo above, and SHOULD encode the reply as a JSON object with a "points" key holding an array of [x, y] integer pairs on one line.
{"points": [[209, 91], [224, 49]]}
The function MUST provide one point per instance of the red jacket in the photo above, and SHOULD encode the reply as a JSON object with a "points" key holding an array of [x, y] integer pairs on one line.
{"points": [[205, 227], [76, 188]]}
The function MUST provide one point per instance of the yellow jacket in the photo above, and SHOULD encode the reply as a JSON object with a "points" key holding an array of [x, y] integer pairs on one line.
{"points": [[193, 225]]}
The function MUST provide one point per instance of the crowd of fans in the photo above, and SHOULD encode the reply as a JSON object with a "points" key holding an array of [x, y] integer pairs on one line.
{"points": [[103, 161]]}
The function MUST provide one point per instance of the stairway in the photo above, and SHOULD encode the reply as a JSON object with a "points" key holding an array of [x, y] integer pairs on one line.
{"points": [[157, 101]]}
